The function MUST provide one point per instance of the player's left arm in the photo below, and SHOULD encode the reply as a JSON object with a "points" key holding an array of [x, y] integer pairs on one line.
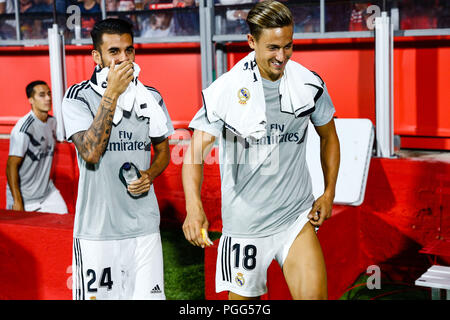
{"points": [[160, 162], [12, 175], [330, 160]]}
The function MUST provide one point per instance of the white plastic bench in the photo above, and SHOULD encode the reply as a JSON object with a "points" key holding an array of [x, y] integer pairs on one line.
{"points": [[356, 138], [437, 278]]}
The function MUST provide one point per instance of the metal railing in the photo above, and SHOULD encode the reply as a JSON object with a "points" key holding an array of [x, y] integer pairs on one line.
{"points": [[314, 19]]}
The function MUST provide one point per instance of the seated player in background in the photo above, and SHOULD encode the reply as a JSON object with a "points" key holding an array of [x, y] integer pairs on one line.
{"points": [[31, 149]]}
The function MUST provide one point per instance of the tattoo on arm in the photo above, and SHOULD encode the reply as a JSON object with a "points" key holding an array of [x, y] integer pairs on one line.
{"points": [[91, 144]]}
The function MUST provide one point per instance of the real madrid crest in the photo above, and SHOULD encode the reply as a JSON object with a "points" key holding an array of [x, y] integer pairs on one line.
{"points": [[243, 95], [240, 279]]}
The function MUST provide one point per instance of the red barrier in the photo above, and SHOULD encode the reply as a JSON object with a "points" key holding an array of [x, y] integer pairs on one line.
{"points": [[406, 206], [35, 256]]}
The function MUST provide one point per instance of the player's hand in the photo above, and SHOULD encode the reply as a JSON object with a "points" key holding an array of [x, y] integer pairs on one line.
{"points": [[140, 185], [195, 228], [119, 77], [321, 210]]}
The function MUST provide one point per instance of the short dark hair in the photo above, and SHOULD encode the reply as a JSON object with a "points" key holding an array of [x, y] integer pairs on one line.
{"points": [[268, 14], [110, 26], [30, 87]]}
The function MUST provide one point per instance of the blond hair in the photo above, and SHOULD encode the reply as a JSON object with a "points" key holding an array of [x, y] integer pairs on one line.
{"points": [[268, 14]]}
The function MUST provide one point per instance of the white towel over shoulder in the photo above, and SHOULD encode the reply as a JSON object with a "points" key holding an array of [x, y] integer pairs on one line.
{"points": [[136, 96], [237, 97]]}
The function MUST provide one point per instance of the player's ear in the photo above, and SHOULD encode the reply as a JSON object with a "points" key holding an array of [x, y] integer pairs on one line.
{"points": [[251, 41], [97, 57]]}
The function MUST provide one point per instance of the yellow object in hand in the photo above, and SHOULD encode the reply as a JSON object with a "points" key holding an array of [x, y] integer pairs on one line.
{"points": [[205, 237]]}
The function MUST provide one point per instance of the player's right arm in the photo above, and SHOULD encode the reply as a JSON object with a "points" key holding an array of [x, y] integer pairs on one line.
{"points": [[91, 144], [12, 175], [192, 177]]}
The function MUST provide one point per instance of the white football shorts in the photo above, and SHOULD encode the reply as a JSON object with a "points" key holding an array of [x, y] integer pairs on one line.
{"points": [[128, 269], [242, 262]]}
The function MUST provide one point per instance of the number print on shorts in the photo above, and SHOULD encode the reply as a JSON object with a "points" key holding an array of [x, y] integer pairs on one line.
{"points": [[249, 259], [105, 279]]}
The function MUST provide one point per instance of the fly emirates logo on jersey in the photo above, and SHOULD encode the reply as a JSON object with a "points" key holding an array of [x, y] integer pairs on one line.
{"points": [[278, 135], [125, 142]]}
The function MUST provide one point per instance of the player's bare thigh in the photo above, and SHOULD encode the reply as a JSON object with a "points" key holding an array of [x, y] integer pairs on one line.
{"points": [[235, 296], [304, 268]]}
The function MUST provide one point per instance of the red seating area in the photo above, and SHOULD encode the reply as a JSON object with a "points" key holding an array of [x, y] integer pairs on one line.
{"points": [[35, 255], [406, 206]]}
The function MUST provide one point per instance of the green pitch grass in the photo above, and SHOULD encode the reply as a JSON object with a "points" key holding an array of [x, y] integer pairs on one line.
{"points": [[184, 274]]}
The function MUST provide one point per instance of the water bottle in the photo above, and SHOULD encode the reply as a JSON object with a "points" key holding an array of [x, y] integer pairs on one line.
{"points": [[128, 173]]}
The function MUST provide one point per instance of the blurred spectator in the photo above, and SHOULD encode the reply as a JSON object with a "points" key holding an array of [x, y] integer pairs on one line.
{"points": [[159, 23], [25, 5], [125, 5], [415, 14], [337, 16], [37, 17], [6, 6], [89, 6], [443, 14], [41, 6], [358, 17], [111, 5], [90, 13], [30, 28], [7, 26], [61, 5], [235, 19], [129, 7], [186, 21], [306, 16]]}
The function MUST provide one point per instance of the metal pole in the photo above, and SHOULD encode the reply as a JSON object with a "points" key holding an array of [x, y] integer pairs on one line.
{"points": [[221, 59], [58, 76], [201, 13], [322, 16], [16, 12], [220, 53], [206, 50], [103, 8], [209, 15], [391, 91], [384, 86]]}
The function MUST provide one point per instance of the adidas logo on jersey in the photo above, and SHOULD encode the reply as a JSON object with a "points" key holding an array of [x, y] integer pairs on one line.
{"points": [[156, 289]]}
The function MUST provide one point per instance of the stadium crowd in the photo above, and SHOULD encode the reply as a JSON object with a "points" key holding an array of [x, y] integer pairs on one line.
{"points": [[166, 18]]}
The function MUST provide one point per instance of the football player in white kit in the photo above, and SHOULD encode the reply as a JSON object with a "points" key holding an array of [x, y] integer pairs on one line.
{"points": [[31, 149], [117, 252], [265, 216]]}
